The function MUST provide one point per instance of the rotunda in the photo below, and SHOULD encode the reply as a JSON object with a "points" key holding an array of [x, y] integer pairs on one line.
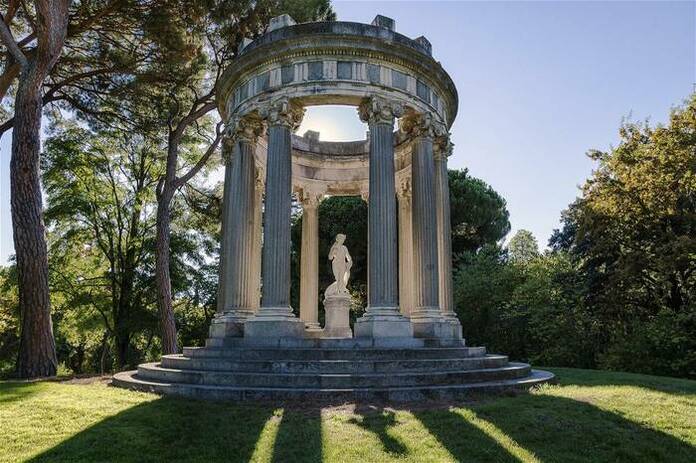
{"points": [[408, 344]]}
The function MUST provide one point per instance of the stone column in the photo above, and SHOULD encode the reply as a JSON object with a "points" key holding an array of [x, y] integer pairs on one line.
{"points": [[309, 263], [228, 146], [258, 233], [382, 318], [426, 317], [274, 318], [442, 149], [236, 257], [406, 283]]}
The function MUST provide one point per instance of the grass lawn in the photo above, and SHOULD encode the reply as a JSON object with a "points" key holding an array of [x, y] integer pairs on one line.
{"points": [[590, 416]]}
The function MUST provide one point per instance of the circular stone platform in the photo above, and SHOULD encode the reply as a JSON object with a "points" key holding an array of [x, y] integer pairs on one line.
{"points": [[338, 370]]}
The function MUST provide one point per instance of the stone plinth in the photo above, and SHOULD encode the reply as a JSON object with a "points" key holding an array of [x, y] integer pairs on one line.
{"points": [[337, 321]]}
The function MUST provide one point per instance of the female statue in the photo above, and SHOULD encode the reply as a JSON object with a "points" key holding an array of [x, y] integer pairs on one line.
{"points": [[341, 262]]}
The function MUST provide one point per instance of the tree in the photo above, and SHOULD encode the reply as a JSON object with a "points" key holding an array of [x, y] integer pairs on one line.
{"points": [[100, 197], [102, 216], [523, 246], [637, 220], [479, 213], [99, 42], [37, 352]]}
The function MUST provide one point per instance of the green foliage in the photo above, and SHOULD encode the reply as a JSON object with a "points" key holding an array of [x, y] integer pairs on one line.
{"points": [[523, 246], [636, 239], [479, 214], [100, 189], [9, 320], [530, 309]]}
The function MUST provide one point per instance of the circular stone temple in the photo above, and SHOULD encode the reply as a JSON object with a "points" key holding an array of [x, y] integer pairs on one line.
{"points": [[408, 344]]}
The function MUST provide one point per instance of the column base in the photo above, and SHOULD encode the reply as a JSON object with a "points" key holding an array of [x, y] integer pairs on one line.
{"points": [[429, 323], [455, 324], [383, 322], [229, 324], [274, 322]]}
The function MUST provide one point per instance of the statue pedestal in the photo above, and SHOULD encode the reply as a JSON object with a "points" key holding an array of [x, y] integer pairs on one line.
{"points": [[337, 325]]}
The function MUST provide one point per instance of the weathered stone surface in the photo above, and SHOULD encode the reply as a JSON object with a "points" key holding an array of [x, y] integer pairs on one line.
{"points": [[337, 307], [343, 374]]}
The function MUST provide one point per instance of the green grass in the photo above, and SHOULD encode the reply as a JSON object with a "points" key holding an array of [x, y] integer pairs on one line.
{"points": [[590, 416]]}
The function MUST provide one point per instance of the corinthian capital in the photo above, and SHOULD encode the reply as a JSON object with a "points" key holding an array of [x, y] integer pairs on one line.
{"points": [[442, 147], [283, 111], [246, 128], [416, 124], [377, 110], [309, 197]]}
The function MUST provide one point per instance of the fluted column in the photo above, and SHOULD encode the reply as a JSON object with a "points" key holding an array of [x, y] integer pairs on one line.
{"points": [[236, 256], [426, 317], [258, 233], [382, 317], [406, 283], [442, 149], [309, 260], [228, 146], [275, 318]]}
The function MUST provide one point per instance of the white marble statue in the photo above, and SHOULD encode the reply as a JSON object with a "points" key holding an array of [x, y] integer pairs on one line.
{"points": [[341, 262]]}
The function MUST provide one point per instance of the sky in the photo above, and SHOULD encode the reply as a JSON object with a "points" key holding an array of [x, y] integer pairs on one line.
{"points": [[540, 83]]}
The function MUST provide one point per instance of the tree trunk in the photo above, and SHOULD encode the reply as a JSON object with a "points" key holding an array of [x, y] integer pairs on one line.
{"points": [[162, 255], [37, 349]]}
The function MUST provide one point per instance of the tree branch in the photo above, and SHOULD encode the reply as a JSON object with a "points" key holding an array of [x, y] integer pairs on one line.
{"points": [[203, 160], [9, 41]]}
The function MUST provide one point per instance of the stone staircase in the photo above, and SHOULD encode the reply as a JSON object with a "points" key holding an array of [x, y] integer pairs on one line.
{"points": [[336, 372]]}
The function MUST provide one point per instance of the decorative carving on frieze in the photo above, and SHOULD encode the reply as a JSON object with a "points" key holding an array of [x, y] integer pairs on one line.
{"points": [[309, 198], [283, 111], [377, 110], [260, 180], [417, 124], [403, 189]]}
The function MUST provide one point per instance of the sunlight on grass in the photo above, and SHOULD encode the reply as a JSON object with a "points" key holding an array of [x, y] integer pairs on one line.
{"points": [[263, 451], [497, 435], [674, 415]]}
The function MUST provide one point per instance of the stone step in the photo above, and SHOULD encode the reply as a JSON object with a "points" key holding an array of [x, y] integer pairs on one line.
{"points": [[154, 371], [334, 343], [332, 366], [129, 379], [258, 353]]}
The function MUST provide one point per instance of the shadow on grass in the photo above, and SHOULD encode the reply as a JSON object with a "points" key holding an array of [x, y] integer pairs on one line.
{"points": [[553, 429], [168, 429], [378, 421], [463, 440], [299, 436], [15, 391]]}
